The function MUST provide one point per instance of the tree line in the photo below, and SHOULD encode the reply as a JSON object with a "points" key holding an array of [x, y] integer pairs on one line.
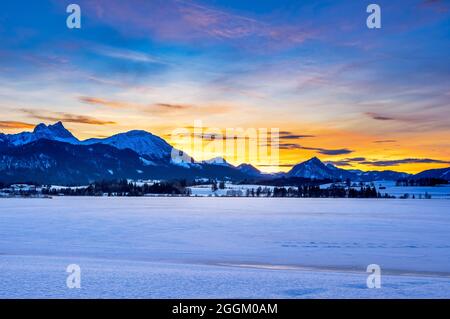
{"points": [[421, 182], [314, 191], [121, 188]]}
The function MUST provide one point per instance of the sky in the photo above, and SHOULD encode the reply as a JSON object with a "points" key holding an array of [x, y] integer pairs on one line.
{"points": [[357, 97]]}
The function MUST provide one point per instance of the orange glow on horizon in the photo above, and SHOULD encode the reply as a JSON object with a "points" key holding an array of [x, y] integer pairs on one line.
{"points": [[362, 145]]}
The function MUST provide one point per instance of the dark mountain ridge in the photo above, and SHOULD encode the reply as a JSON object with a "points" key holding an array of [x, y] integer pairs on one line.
{"points": [[52, 155]]}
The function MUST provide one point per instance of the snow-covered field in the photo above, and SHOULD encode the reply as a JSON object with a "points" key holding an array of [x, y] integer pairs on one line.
{"points": [[224, 247], [439, 191], [229, 190], [418, 192]]}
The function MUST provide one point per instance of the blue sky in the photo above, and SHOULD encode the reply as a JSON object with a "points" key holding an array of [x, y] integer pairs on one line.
{"points": [[308, 67]]}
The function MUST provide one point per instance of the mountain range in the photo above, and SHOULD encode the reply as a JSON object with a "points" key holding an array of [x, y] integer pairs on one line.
{"points": [[315, 168], [53, 155]]}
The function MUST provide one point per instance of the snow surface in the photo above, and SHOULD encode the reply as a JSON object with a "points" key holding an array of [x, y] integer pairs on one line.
{"points": [[141, 142], [390, 188], [224, 247], [206, 190], [439, 191]]}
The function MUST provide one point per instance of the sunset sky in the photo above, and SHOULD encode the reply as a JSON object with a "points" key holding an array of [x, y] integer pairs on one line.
{"points": [[361, 98]]}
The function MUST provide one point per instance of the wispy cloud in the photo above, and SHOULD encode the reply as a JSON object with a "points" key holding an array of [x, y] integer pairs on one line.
{"points": [[128, 55], [134, 106], [348, 161], [405, 161], [421, 120], [211, 137], [340, 163], [288, 146], [382, 163], [15, 125], [323, 151], [190, 21], [173, 106], [44, 115], [103, 102], [379, 117], [157, 108], [286, 135], [226, 25]]}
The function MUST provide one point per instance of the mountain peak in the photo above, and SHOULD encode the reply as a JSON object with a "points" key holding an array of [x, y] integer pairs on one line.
{"points": [[217, 161], [142, 142], [312, 168], [39, 128], [58, 124], [249, 169], [314, 160], [138, 133], [56, 131]]}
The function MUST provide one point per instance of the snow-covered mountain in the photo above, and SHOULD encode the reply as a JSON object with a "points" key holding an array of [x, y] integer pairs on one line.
{"points": [[150, 146], [217, 161], [51, 154], [249, 170], [314, 168], [142, 142], [442, 173], [387, 175], [53, 162], [51, 147], [55, 132], [3, 140]]}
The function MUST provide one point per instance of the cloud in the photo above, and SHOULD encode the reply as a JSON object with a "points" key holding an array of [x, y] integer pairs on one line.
{"points": [[270, 141], [289, 146], [15, 125], [120, 104], [235, 135], [160, 107], [379, 117], [381, 163], [286, 135], [64, 117], [340, 163], [324, 151], [217, 23], [173, 106], [405, 161], [356, 159], [415, 120], [128, 105], [224, 25], [215, 137], [128, 55], [187, 21], [348, 161], [103, 102]]}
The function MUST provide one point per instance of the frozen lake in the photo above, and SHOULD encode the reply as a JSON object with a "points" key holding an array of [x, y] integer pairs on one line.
{"points": [[224, 247]]}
